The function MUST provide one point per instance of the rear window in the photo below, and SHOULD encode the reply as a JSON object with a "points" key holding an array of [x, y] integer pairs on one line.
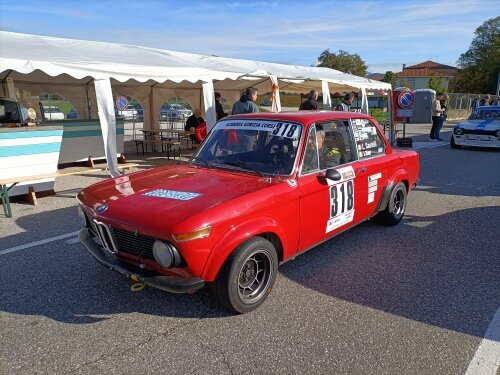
{"points": [[369, 142]]}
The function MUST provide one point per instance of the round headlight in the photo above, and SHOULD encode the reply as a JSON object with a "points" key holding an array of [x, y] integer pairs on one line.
{"points": [[163, 254], [458, 131]]}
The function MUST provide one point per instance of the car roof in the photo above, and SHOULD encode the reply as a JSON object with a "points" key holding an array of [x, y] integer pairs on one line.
{"points": [[304, 117]]}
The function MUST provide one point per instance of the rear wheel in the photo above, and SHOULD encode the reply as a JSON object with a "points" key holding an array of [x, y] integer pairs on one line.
{"points": [[247, 277], [452, 142], [396, 206]]}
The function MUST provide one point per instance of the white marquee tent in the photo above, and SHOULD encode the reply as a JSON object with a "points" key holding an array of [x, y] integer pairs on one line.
{"points": [[89, 72]]}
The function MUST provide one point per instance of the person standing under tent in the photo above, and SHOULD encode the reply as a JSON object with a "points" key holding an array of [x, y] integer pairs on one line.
{"points": [[345, 106], [311, 103], [246, 104], [218, 107]]}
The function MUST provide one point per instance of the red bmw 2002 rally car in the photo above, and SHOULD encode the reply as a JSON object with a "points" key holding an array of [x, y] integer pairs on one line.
{"points": [[261, 189]]}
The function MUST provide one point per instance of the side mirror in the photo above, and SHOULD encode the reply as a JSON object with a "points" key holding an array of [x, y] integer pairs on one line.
{"points": [[333, 174]]}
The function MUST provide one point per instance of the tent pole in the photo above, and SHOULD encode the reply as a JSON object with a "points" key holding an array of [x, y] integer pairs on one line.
{"points": [[106, 111]]}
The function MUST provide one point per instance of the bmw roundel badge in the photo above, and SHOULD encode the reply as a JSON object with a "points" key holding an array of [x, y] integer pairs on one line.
{"points": [[102, 208]]}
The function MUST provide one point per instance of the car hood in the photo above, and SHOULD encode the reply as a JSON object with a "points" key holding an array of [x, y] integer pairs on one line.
{"points": [[479, 125], [167, 195]]}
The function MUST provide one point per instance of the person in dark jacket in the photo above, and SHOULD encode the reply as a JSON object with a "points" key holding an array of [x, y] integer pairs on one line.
{"points": [[218, 107], [246, 104], [193, 122], [345, 106], [311, 103]]}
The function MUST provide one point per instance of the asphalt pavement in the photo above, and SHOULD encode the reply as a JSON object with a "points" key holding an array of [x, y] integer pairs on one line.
{"points": [[416, 298]]}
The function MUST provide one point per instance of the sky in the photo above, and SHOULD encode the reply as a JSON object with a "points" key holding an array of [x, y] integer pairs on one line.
{"points": [[386, 34]]}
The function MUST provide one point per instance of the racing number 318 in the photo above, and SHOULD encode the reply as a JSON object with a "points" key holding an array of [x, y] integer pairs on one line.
{"points": [[341, 195]]}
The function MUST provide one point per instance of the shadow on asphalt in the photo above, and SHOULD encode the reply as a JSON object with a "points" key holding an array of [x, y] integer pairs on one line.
{"points": [[63, 282], [440, 271]]}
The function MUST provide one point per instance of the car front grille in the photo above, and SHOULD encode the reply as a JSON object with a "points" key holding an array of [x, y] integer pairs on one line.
{"points": [[123, 241], [133, 243], [479, 132]]}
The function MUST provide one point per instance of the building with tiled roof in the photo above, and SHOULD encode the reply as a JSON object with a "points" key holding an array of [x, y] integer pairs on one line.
{"points": [[376, 76], [417, 76]]}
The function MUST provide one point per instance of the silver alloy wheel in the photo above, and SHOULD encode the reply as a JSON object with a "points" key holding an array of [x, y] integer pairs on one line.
{"points": [[399, 203], [255, 276]]}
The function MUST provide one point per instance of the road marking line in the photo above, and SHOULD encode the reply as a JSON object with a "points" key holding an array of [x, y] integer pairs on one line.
{"points": [[438, 145], [72, 241], [41, 242], [486, 361]]}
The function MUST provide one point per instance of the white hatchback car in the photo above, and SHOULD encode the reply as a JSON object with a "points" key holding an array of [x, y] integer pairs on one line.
{"points": [[52, 113], [482, 129]]}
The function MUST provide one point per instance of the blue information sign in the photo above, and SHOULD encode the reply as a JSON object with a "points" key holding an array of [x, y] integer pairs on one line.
{"points": [[121, 102]]}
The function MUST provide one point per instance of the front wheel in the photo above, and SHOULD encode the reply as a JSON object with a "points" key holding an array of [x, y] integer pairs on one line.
{"points": [[247, 277], [396, 206]]}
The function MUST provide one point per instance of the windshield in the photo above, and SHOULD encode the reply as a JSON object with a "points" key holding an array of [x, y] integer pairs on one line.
{"points": [[485, 114], [253, 145]]}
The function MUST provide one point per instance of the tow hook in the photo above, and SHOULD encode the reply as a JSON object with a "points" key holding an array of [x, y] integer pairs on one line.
{"points": [[137, 286]]}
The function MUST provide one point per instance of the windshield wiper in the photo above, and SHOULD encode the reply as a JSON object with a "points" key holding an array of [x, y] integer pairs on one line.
{"points": [[206, 163], [243, 165]]}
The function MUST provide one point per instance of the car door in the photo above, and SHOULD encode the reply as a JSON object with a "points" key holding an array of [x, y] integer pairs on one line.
{"points": [[376, 160], [327, 207]]}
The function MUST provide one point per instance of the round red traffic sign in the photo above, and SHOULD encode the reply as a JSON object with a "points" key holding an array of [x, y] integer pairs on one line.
{"points": [[406, 100], [121, 102]]}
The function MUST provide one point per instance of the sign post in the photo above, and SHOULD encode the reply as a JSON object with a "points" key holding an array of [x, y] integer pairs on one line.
{"points": [[405, 102]]}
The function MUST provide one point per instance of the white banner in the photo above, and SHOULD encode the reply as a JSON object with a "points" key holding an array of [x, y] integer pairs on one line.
{"points": [[327, 100], [209, 101], [106, 109]]}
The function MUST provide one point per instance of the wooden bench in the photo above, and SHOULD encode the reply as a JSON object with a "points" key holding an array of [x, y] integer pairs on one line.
{"points": [[168, 146], [5, 189]]}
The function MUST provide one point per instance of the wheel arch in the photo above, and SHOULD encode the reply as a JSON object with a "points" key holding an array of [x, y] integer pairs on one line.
{"points": [[267, 228], [399, 176]]}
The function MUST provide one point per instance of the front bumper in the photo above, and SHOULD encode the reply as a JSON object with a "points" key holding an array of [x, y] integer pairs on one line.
{"points": [[476, 140], [167, 283]]}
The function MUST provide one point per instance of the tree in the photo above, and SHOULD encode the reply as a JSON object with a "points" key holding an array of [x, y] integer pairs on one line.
{"points": [[405, 84], [480, 65], [436, 83], [390, 77], [343, 61]]}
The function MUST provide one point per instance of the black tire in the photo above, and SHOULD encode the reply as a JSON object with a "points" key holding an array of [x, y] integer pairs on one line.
{"points": [[247, 277], [396, 206], [452, 142]]}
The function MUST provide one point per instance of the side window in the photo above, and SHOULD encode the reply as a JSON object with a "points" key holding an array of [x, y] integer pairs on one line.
{"points": [[328, 145], [334, 144], [310, 163], [369, 143]]}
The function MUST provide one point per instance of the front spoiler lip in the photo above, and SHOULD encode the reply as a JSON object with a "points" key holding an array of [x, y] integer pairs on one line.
{"points": [[167, 283]]}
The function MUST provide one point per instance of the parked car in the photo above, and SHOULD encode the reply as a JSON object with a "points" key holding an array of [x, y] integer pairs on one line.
{"points": [[73, 114], [11, 111], [52, 113], [174, 112], [261, 189], [482, 129], [129, 113]]}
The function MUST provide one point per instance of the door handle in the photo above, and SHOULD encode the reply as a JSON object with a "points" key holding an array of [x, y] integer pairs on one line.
{"points": [[361, 170]]}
